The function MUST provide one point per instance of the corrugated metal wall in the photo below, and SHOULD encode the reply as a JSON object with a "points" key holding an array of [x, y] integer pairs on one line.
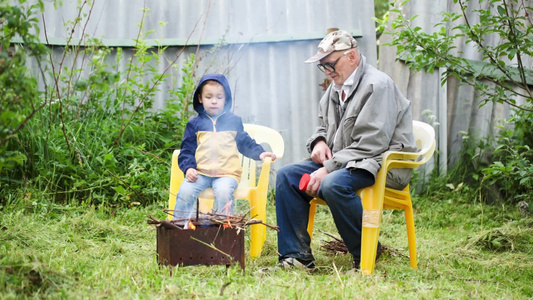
{"points": [[267, 43]]}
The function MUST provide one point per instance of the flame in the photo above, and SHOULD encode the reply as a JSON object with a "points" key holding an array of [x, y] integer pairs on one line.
{"points": [[227, 225], [192, 226]]}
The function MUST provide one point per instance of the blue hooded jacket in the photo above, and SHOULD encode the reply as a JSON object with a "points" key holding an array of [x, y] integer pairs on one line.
{"points": [[211, 144]]}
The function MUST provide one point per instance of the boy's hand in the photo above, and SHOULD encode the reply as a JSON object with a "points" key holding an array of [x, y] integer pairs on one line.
{"points": [[191, 175], [265, 154]]}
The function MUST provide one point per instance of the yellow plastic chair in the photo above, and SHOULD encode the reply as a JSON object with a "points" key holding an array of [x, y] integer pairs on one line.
{"points": [[378, 197], [251, 189]]}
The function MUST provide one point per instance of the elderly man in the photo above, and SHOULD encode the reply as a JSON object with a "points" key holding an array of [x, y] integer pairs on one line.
{"points": [[361, 115]]}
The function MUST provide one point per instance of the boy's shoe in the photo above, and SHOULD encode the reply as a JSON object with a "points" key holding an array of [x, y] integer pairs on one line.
{"points": [[292, 262]]}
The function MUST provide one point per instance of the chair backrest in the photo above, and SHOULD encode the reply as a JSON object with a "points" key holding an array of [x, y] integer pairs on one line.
{"points": [[425, 140], [262, 135], [266, 135]]}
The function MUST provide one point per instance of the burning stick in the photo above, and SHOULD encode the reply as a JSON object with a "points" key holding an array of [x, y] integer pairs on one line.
{"points": [[227, 225], [191, 226], [255, 221], [164, 223], [227, 221]]}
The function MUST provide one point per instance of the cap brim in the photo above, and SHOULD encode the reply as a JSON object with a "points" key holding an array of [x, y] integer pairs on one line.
{"points": [[317, 57]]}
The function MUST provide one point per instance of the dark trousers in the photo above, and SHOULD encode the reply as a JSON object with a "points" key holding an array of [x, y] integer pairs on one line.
{"points": [[338, 189]]}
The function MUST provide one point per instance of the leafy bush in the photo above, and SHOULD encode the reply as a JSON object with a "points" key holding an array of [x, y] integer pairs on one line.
{"points": [[18, 89], [92, 135], [512, 166], [499, 166]]}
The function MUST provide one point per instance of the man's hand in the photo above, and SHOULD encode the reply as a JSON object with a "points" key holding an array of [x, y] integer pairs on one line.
{"points": [[321, 153], [316, 180], [191, 175]]}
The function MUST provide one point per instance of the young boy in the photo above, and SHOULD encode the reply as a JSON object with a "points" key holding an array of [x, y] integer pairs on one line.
{"points": [[210, 146]]}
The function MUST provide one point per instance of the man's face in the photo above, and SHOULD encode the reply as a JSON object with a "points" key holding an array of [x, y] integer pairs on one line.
{"points": [[213, 98], [343, 62]]}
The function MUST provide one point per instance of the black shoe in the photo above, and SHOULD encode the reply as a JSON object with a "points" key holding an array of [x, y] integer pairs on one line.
{"points": [[379, 251], [356, 264]]}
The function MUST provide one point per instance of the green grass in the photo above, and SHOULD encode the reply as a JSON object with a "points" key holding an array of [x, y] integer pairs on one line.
{"points": [[465, 250]]}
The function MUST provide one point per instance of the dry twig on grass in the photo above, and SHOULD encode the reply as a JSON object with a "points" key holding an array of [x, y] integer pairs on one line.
{"points": [[337, 246]]}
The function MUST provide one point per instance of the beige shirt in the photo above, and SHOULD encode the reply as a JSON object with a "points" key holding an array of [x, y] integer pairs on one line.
{"points": [[345, 87]]}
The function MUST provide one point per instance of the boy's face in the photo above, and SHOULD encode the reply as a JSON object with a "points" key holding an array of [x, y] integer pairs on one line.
{"points": [[213, 98]]}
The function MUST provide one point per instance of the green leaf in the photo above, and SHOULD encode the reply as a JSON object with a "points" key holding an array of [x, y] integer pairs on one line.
{"points": [[501, 10], [496, 244]]}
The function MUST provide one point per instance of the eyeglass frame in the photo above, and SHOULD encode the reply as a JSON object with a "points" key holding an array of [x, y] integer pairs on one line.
{"points": [[324, 67]]}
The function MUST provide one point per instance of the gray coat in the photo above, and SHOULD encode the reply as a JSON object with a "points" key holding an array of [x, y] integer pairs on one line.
{"points": [[376, 118]]}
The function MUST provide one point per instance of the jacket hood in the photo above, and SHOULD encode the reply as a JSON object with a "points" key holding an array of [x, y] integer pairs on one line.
{"points": [[218, 78]]}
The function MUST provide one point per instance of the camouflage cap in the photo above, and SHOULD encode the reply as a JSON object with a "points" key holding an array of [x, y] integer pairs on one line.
{"points": [[336, 40]]}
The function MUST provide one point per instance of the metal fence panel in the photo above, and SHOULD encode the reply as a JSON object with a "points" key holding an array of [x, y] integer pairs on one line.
{"points": [[260, 46]]}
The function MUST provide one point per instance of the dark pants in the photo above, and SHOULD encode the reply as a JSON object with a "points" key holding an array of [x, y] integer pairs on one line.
{"points": [[338, 189]]}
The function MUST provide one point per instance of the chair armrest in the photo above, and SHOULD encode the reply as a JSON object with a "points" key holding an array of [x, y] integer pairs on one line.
{"points": [[411, 160], [264, 175], [399, 155]]}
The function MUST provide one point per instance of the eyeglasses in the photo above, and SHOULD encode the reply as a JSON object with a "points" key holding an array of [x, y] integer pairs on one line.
{"points": [[330, 67]]}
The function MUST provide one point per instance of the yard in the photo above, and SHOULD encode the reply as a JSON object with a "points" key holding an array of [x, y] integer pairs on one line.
{"points": [[466, 250], [87, 127]]}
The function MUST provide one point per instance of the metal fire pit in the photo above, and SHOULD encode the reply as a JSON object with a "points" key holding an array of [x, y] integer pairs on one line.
{"points": [[177, 246]]}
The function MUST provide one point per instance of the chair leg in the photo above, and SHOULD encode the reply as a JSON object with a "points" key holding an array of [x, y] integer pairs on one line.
{"points": [[257, 239], [372, 200], [311, 222], [411, 237], [369, 247], [257, 231]]}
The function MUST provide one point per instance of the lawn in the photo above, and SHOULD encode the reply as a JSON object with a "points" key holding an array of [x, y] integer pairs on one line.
{"points": [[465, 250]]}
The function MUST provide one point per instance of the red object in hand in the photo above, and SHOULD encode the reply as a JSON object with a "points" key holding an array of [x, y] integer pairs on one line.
{"points": [[304, 181]]}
